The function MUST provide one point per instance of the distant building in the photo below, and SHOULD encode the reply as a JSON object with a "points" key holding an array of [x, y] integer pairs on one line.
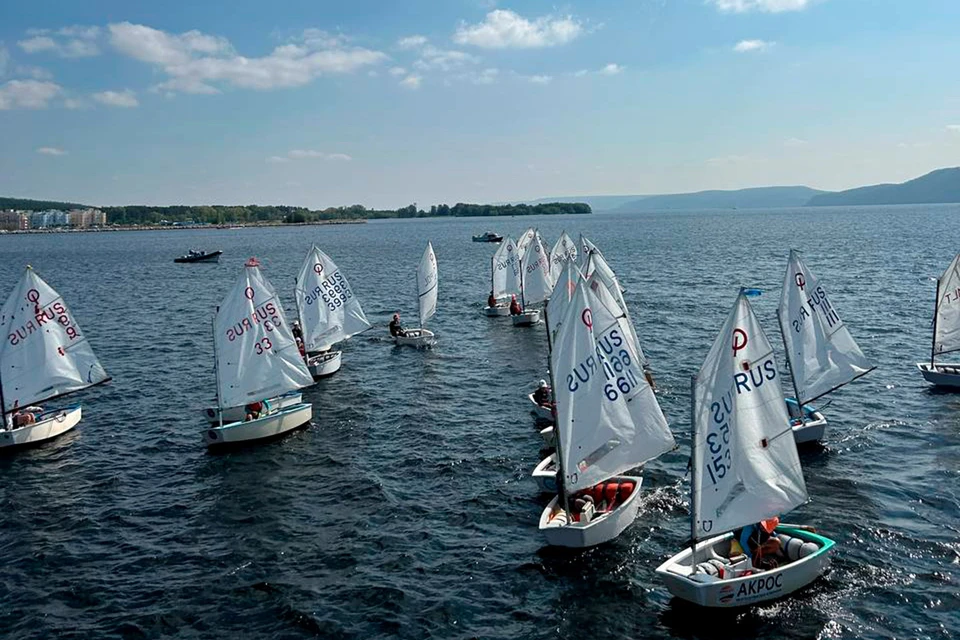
{"points": [[82, 218], [14, 220], [48, 219]]}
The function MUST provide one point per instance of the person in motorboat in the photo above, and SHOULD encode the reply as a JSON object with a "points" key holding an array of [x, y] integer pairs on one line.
{"points": [[759, 542], [543, 395], [396, 329], [515, 308], [492, 300]]}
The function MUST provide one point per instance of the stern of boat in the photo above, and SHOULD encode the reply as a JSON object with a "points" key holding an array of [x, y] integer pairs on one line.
{"points": [[603, 528]]}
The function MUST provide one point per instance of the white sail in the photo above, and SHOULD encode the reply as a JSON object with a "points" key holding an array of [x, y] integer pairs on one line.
{"points": [[746, 467], [506, 269], [329, 310], [257, 356], [537, 283], [946, 337], [525, 239], [44, 354], [607, 415], [822, 353], [427, 284], [560, 298], [597, 265], [585, 248], [565, 249]]}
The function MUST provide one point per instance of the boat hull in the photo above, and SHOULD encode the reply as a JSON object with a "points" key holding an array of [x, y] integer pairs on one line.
{"points": [[545, 474], [761, 586], [527, 319], [325, 364], [810, 428], [207, 257], [498, 311], [578, 535], [941, 375], [237, 414], [49, 426], [541, 413], [267, 427], [415, 338]]}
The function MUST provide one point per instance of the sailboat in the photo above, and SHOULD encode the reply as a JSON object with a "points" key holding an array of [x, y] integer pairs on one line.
{"points": [[535, 283], [504, 277], [526, 238], [821, 354], [256, 357], [946, 330], [44, 355], [745, 470], [565, 249], [427, 280], [329, 312], [608, 422]]}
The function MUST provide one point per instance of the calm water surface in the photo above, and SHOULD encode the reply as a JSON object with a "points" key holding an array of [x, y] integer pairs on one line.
{"points": [[406, 509]]}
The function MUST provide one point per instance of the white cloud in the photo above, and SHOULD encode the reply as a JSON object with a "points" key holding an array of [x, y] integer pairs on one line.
{"points": [[487, 76], [397, 71], [76, 41], [767, 6], [953, 128], [308, 154], [580, 73], [746, 46], [51, 151], [611, 69], [540, 79], [443, 59], [411, 82], [504, 29], [795, 142], [125, 98], [411, 42], [27, 94], [197, 62]]}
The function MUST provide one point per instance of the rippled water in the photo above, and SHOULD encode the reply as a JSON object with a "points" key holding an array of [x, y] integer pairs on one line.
{"points": [[406, 508]]}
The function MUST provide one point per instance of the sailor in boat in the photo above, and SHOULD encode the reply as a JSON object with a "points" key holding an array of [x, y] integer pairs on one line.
{"points": [[256, 410], [515, 308], [298, 337], [21, 417], [396, 329], [543, 396], [760, 541], [492, 300]]}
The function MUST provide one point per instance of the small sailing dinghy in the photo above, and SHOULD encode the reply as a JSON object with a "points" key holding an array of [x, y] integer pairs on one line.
{"points": [[256, 357], [608, 422], [44, 356], [745, 470], [565, 249], [504, 278], [329, 312], [427, 300], [946, 330], [822, 356], [238, 413], [535, 283], [540, 412]]}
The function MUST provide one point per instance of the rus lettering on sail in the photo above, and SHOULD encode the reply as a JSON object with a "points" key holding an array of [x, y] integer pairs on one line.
{"points": [[817, 301], [54, 312], [265, 314], [614, 360]]}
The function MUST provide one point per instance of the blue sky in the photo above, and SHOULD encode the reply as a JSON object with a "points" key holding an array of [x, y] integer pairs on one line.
{"points": [[384, 103]]}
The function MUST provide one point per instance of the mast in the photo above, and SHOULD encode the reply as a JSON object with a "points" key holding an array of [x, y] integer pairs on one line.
{"points": [[561, 485], [936, 308], [694, 473], [216, 365], [3, 407], [793, 377]]}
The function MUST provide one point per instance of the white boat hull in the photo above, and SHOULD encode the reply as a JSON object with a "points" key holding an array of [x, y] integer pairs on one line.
{"points": [[545, 474], [269, 426], [603, 528], [49, 426], [416, 338], [808, 429], [237, 414], [549, 436], [941, 375], [543, 414], [324, 364], [528, 318], [709, 591], [497, 311]]}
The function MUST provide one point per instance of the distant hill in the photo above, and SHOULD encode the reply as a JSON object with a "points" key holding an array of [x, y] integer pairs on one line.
{"points": [[597, 203], [942, 185], [755, 198], [37, 205]]}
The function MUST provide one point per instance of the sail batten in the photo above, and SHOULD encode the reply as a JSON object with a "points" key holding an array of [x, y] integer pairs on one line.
{"points": [[823, 355], [44, 354], [427, 281], [257, 356], [328, 308]]}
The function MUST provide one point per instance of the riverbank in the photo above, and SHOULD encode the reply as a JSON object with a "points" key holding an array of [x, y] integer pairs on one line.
{"points": [[179, 227]]}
